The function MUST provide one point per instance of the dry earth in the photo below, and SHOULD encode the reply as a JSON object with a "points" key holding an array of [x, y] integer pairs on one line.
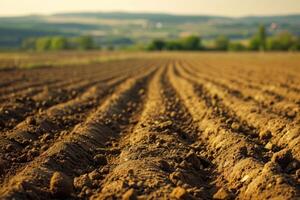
{"points": [[177, 126]]}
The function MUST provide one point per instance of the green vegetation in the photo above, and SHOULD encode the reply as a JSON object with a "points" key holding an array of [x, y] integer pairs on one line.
{"points": [[85, 43], [191, 43], [258, 41], [123, 30], [157, 45], [57, 43], [284, 41], [222, 43], [43, 44]]}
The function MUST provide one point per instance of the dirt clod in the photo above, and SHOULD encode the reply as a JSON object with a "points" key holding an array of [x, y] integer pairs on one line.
{"points": [[81, 181], [164, 165], [235, 126], [30, 121], [184, 127], [129, 195], [179, 193], [100, 159], [60, 185], [223, 194], [192, 158], [283, 158], [265, 135]]}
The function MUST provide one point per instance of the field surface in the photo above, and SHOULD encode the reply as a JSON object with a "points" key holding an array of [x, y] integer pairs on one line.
{"points": [[166, 126]]}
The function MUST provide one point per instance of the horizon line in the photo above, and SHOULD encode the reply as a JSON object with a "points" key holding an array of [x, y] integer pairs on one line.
{"points": [[148, 12]]}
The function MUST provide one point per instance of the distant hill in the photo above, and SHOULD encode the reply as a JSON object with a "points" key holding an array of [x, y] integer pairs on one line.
{"points": [[117, 28]]}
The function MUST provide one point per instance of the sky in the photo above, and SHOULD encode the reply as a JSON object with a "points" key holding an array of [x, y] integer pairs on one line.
{"points": [[199, 7]]}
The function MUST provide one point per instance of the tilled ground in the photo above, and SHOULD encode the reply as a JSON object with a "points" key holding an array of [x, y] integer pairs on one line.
{"points": [[172, 127]]}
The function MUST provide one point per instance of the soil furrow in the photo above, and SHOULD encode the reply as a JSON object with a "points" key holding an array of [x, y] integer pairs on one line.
{"points": [[27, 140], [11, 115], [247, 177], [156, 158], [267, 100], [278, 131], [77, 152]]}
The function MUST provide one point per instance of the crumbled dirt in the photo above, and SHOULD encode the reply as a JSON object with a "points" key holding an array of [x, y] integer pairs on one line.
{"points": [[189, 127]]}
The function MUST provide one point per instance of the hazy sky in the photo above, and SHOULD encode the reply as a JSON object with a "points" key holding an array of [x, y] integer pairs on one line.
{"points": [[201, 7]]}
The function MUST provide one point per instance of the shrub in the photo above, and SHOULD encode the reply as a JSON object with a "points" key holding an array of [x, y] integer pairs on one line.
{"points": [[43, 44], [157, 45], [222, 43], [191, 43], [85, 43], [58, 43], [236, 47]]}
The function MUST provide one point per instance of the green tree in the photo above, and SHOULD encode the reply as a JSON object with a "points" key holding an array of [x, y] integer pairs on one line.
{"points": [[191, 43], [282, 42], [222, 43], [58, 43], [296, 45], [43, 44], [85, 43], [254, 44], [157, 45], [236, 47], [273, 44], [258, 41], [286, 40], [262, 37], [173, 45]]}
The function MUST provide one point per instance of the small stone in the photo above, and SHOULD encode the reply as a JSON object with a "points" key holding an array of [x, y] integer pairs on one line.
{"points": [[94, 175], [283, 158], [269, 146], [44, 148], [88, 192], [166, 124], [235, 126], [30, 121], [175, 177], [179, 193], [222, 194], [279, 180], [141, 91], [184, 164], [130, 172], [129, 195], [265, 135], [245, 178], [60, 185], [9, 147], [164, 165], [100, 159], [140, 184], [173, 114], [291, 113]]}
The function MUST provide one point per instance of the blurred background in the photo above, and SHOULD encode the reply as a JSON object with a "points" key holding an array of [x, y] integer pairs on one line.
{"points": [[129, 25]]}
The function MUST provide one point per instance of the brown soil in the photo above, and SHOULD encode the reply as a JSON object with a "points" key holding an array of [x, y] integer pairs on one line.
{"points": [[171, 127]]}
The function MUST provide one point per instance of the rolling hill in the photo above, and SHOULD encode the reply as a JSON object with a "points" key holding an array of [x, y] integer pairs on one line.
{"points": [[117, 28]]}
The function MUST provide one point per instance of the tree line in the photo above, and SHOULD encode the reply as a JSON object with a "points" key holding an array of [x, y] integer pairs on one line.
{"points": [[58, 43], [283, 41]]}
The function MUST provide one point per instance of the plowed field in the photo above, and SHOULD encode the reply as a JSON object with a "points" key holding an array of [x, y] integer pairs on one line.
{"points": [[174, 126]]}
